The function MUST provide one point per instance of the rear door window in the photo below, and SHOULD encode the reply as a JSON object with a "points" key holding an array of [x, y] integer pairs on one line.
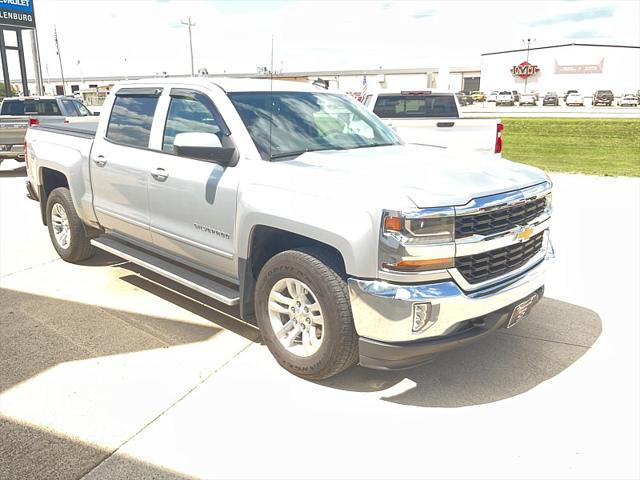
{"points": [[131, 119], [415, 106], [84, 111], [69, 107]]}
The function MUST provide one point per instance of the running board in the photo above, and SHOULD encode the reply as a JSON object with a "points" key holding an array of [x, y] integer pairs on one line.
{"points": [[196, 281]]}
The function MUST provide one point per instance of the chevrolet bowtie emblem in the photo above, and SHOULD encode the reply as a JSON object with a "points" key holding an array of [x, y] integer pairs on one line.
{"points": [[522, 234]]}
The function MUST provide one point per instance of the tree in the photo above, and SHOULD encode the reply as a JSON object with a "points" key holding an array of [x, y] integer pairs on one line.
{"points": [[3, 91]]}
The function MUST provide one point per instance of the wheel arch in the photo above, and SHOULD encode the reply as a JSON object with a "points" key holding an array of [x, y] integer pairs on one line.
{"points": [[266, 241], [50, 179]]}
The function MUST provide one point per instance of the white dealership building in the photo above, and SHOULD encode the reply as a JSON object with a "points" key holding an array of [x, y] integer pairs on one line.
{"points": [[575, 66]]}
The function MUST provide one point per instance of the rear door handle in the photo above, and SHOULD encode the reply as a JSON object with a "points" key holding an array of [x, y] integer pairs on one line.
{"points": [[445, 124], [100, 161], [160, 174]]}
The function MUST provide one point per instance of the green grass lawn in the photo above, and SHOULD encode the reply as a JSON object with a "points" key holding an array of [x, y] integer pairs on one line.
{"points": [[596, 146]]}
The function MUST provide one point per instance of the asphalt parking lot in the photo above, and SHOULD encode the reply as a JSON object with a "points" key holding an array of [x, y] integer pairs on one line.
{"points": [[109, 372]]}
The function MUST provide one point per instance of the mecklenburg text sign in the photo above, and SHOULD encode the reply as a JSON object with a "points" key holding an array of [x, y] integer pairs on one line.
{"points": [[17, 13]]}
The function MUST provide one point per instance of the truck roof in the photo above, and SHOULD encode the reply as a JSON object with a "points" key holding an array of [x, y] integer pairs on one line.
{"points": [[231, 84], [37, 97]]}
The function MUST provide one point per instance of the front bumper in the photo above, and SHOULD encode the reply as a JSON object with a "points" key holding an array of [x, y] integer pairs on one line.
{"points": [[383, 314]]}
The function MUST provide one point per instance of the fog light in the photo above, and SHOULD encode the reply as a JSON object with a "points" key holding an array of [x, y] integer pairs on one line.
{"points": [[421, 317]]}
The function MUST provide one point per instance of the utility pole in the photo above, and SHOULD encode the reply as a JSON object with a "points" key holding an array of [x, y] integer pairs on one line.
{"points": [[190, 24], [528, 41], [64, 85]]}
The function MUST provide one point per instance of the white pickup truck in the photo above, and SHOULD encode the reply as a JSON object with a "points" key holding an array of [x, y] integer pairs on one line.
{"points": [[433, 118], [305, 211]]}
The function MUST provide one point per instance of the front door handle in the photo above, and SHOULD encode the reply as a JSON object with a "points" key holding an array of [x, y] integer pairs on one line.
{"points": [[160, 174], [100, 161]]}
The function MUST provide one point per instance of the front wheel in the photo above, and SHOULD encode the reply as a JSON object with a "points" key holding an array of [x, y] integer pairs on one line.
{"points": [[304, 314], [67, 232]]}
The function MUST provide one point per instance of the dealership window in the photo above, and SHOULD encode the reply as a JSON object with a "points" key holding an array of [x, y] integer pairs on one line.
{"points": [[403, 106]]}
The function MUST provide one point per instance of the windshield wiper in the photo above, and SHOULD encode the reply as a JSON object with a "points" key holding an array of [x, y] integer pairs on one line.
{"points": [[300, 152], [296, 153]]}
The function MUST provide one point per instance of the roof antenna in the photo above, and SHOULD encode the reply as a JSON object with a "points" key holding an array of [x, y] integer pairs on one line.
{"points": [[271, 97]]}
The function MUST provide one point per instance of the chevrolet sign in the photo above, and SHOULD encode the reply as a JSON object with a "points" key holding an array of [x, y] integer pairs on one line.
{"points": [[17, 13]]}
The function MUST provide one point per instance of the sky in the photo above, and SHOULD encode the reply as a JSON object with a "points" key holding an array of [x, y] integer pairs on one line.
{"points": [[146, 37]]}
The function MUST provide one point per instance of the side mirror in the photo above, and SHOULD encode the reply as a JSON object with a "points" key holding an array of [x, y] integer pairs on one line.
{"points": [[203, 146]]}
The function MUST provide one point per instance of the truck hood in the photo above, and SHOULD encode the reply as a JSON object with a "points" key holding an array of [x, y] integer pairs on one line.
{"points": [[402, 176]]}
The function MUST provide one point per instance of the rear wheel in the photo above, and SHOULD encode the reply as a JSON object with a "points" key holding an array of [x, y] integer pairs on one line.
{"points": [[304, 314], [67, 232]]}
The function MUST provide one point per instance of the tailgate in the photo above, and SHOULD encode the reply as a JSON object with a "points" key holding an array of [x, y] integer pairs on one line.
{"points": [[13, 129], [476, 134]]}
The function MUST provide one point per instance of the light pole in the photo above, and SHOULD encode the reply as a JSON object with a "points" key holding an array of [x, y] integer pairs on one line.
{"points": [[528, 41], [190, 24]]}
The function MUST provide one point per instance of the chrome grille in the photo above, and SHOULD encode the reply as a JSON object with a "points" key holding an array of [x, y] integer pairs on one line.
{"points": [[494, 263], [499, 220]]}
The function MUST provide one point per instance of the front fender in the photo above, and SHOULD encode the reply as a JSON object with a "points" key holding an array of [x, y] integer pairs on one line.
{"points": [[352, 232]]}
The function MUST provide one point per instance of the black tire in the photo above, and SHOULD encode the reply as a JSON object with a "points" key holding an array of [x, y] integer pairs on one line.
{"points": [[79, 247], [317, 269]]}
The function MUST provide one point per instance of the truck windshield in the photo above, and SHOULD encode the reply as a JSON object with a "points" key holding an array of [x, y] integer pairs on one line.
{"points": [[30, 107], [286, 124]]}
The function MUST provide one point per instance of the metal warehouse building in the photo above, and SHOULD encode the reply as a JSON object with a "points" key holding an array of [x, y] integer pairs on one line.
{"points": [[576, 66]]}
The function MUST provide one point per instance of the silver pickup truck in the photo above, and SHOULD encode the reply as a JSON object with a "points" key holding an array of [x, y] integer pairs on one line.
{"points": [[303, 209], [19, 113]]}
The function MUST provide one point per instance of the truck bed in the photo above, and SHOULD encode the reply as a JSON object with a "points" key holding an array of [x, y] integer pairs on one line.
{"points": [[80, 129]]}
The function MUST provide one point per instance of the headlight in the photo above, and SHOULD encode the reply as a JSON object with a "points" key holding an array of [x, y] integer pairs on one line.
{"points": [[417, 241], [428, 226]]}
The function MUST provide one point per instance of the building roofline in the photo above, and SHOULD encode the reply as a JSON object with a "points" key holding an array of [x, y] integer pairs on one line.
{"points": [[561, 45], [320, 73]]}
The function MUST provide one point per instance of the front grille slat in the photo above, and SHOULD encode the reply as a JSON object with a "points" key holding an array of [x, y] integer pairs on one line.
{"points": [[494, 263], [499, 220]]}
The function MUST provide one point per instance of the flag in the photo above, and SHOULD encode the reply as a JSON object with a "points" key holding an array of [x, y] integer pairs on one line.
{"points": [[363, 92]]}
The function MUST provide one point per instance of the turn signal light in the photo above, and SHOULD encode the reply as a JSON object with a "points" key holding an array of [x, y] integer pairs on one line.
{"points": [[393, 224], [419, 264]]}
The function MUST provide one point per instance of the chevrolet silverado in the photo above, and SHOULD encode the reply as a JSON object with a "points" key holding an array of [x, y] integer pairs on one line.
{"points": [[305, 211]]}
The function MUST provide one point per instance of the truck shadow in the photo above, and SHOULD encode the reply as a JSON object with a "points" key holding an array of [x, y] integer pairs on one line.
{"points": [[41, 454], [500, 366], [14, 172], [222, 315]]}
